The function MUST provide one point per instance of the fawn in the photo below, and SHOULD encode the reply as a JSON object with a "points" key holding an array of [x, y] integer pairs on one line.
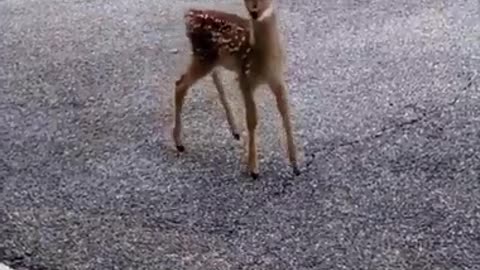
{"points": [[249, 47]]}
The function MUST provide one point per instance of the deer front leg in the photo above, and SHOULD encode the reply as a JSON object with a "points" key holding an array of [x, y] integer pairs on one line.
{"points": [[251, 118], [195, 71], [278, 88], [225, 104]]}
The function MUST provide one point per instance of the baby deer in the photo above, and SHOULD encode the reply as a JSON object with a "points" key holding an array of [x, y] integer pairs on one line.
{"points": [[249, 47]]}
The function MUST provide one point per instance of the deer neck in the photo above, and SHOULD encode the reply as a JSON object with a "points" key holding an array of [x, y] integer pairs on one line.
{"points": [[267, 47], [265, 33]]}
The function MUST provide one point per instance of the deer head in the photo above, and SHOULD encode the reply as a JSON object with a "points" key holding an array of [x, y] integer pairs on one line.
{"points": [[259, 9]]}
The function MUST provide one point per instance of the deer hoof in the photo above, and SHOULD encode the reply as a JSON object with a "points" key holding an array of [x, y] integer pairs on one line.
{"points": [[254, 175], [180, 148], [236, 136], [296, 171]]}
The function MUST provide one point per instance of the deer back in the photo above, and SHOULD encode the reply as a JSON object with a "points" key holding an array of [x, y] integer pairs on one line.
{"points": [[219, 37]]}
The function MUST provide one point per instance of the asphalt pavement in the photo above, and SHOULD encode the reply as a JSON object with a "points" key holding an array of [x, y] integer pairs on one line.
{"points": [[386, 103]]}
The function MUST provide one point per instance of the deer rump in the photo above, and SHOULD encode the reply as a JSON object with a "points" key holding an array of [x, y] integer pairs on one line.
{"points": [[212, 33]]}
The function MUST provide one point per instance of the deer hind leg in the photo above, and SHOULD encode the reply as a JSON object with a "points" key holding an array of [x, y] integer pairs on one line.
{"points": [[225, 104], [279, 90], [251, 118], [195, 71]]}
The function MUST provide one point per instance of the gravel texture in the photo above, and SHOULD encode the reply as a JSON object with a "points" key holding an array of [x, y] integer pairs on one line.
{"points": [[4, 267], [387, 114]]}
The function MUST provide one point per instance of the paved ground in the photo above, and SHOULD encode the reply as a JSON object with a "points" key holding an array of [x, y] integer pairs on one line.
{"points": [[387, 109], [4, 267]]}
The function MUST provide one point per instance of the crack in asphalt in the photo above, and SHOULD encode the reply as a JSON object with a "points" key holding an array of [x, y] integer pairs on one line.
{"points": [[423, 113]]}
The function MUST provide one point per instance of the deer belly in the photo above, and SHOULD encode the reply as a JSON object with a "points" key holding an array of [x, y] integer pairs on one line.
{"points": [[229, 62]]}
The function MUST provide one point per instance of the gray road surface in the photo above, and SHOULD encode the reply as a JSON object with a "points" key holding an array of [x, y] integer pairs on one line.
{"points": [[387, 115]]}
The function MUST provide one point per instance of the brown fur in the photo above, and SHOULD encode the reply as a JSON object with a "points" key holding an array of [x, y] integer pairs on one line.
{"points": [[249, 47]]}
